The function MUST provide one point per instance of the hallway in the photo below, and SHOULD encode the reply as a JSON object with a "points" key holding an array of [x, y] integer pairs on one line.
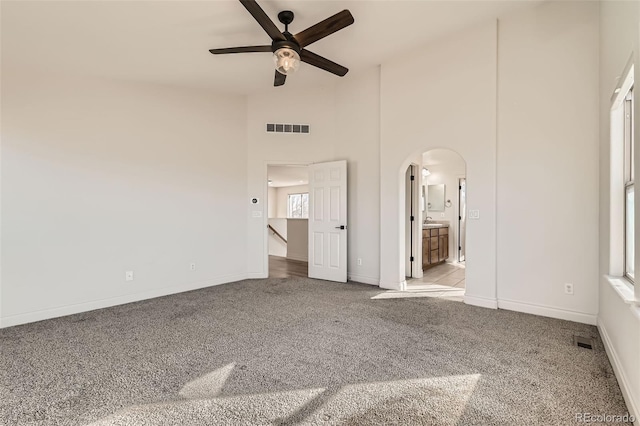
{"points": [[281, 267]]}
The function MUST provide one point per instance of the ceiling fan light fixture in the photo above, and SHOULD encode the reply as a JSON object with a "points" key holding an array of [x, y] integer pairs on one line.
{"points": [[287, 60]]}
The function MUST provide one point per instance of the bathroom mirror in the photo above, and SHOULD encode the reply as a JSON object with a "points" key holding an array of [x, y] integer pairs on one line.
{"points": [[435, 198]]}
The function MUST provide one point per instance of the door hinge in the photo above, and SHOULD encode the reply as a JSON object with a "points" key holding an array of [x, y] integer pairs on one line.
{"points": [[413, 177], [412, 218], [459, 248], [459, 217], [459, 187], [411, 258]]}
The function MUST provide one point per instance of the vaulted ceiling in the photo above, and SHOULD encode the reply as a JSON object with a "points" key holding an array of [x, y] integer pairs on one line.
{"points": [[167, 42]]}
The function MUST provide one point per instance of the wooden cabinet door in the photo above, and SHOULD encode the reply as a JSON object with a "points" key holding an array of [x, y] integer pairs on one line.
{"points": [[446, 246], [434, 256], [433, 243], [443, 247], [426, 251]]}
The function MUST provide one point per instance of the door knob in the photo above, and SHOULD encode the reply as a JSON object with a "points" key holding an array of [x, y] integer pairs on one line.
{"points": [[341, 227]]}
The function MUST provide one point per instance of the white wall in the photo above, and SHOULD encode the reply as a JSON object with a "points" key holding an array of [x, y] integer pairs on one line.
{"points": [[282, 198], [277, 247], [272, 205], [298, 239], [443, 96], [357, 110], [276, 148], [547, 160], [101, 177], [620, 328], [343, 120], [497, 95]]}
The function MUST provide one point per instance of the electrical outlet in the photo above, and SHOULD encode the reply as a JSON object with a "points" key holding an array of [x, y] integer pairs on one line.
{"points": [[359, 262], [128, 276], [441, 214], [568, 288], [192, 266], [474, 214]]}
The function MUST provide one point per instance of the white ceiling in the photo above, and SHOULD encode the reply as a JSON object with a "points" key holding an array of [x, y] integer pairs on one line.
{"points": [[167, 42], [287, 176]]}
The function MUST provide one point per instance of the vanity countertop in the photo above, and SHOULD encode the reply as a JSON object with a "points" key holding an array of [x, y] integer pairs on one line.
{"points": [[434, 225]]}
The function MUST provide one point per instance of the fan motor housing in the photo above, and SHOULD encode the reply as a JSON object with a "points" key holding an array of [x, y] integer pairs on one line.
{"points": [[285, 44]]}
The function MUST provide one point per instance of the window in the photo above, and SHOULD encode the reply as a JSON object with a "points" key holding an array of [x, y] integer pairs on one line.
{"points": [[298, 206], [628, 188], [622, 180]]}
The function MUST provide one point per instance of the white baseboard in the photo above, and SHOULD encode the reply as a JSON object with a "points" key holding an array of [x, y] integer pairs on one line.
{"points": [[483, 302], [623, 379], [364, 280], [548, 311], [302, 257], [28, 317], [257, 275], [400, 286]]}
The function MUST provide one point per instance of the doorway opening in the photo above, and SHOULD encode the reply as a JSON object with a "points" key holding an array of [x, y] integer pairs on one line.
{"points": [[287, 220], [442, 230]]}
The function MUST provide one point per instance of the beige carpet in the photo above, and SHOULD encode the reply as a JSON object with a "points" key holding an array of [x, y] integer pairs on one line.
{"points": [[299, 351]]}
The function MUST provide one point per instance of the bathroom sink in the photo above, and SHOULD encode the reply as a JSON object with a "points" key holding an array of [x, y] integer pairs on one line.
{"points": [[433, 225]]}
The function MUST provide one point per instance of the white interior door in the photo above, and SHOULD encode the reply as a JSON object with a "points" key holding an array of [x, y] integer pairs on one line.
{"points": [[328, 221]]}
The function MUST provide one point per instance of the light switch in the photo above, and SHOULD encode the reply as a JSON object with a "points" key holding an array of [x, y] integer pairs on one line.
{"points": [[257, 213], [474, 214]]}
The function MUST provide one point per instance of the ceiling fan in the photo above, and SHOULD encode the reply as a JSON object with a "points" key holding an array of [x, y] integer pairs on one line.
{"points": [[288, 49]]}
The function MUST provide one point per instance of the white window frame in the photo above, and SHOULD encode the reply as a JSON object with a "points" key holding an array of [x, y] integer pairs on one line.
{"points": [[629, 243], [621, 178]]}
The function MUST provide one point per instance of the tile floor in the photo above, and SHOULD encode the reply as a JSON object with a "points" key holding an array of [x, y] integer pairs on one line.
{"points": [[445, 281]]}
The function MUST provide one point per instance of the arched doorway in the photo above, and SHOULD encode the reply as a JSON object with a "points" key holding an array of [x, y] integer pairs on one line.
{"points": [[441, 231]]}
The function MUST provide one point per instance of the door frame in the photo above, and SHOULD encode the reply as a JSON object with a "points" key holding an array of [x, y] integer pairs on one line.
{"points": [[265, 208], [462, 212], [413, 230]]}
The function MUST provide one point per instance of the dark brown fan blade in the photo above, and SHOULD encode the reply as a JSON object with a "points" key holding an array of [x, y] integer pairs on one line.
{"points": [[324, 28], [279, 79], [320, 62], [267, 24], [244, 49]]}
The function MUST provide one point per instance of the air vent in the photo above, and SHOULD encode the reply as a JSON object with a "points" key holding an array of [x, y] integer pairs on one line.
{"points": [[287, 128], [583, 342]]}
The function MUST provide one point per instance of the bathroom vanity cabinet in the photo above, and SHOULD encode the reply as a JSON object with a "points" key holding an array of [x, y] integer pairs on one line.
{"points": [[435, 246]]}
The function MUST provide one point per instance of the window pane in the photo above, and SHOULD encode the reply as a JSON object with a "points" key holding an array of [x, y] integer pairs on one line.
{"points": [[629, 232], [305, 205], [294, 206], [297, 206], [628, 138]]}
